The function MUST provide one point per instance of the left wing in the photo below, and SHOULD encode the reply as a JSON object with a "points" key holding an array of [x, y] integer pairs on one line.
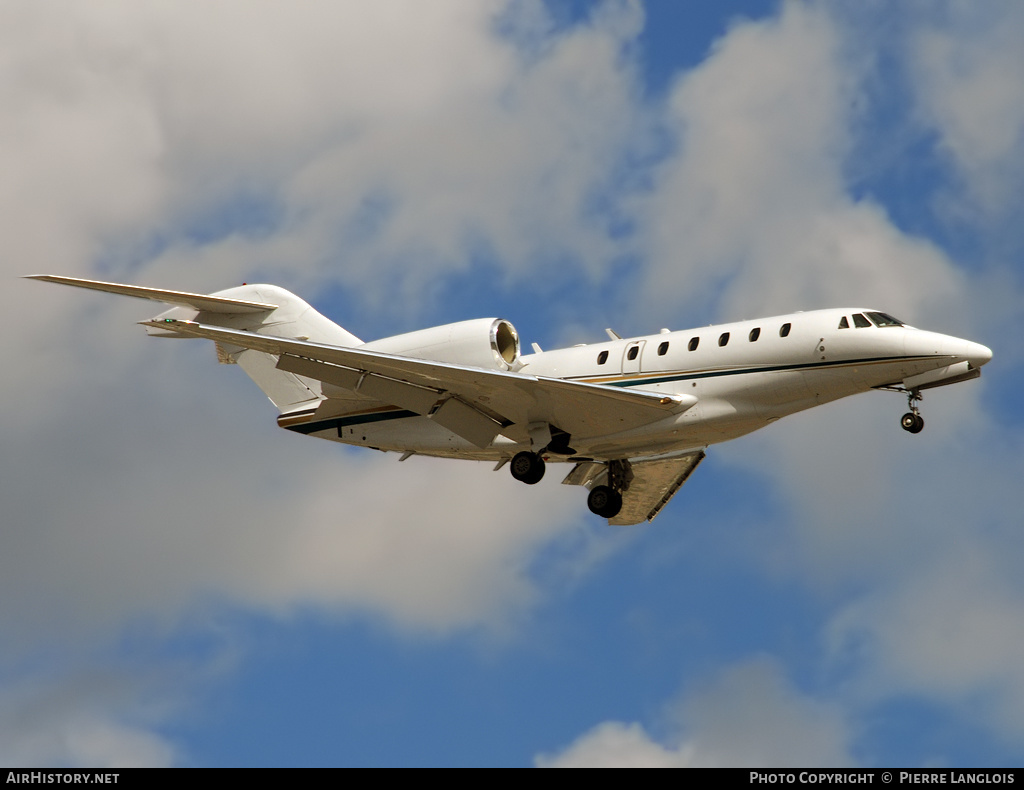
{"points": [[652, 482], [474, 403]]}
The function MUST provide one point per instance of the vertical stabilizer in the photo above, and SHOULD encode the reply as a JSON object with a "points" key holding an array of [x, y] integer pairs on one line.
{"points": [[289, 317], [264, 309]]}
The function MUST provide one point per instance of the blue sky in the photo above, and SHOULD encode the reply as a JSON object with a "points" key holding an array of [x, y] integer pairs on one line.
{"points": [[185, 584]]}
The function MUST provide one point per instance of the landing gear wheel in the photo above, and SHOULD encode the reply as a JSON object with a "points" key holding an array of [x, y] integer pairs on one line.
{"points": [[913, 423], [527, 467], [604, 501]]}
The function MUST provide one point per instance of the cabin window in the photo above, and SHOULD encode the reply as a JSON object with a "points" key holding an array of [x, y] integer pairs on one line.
{"points": [[723, 338], [602, 357], [631, 354], [663, 349], [784, 330], [694, 342], [882, 319], [843, 323], [860, 321], [755, 333]]}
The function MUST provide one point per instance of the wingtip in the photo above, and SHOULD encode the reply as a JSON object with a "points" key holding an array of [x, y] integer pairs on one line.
{"points": [[166, 327]]}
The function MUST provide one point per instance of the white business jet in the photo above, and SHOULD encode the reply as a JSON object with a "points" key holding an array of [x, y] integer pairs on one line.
{"points": [[632, 415]]}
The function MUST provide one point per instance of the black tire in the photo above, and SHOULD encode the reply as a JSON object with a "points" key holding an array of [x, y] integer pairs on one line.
{"points": [[912, 423], [604, 501], [527, 467]]}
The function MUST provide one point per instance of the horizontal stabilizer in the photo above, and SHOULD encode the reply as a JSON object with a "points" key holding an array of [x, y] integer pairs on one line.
{"points": [[203, 302]]}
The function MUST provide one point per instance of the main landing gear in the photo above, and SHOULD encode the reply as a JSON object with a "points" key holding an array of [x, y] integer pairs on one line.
{"points": [[604, 501], [527, 467], [912, 421]]}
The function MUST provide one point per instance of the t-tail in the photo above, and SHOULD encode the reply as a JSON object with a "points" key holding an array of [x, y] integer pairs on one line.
{"points": [[263, 309]]}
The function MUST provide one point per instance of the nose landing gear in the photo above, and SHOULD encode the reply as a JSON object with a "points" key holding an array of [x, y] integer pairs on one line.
{"points": [[912, 421]]}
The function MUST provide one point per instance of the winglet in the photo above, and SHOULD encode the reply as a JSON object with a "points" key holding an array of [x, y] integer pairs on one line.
{"points": [[203, 302]]}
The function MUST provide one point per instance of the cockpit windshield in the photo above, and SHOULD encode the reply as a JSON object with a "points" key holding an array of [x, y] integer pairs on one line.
{"points": [[881, 319]]}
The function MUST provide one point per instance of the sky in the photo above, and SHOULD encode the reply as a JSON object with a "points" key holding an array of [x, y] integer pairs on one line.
{"points": [[184, 584]]}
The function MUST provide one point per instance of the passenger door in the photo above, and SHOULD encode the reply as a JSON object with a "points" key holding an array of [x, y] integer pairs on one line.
{"points": [[631, 356]]}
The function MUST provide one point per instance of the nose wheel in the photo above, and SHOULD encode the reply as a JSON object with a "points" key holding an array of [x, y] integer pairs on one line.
{"points": [[912, 421]]}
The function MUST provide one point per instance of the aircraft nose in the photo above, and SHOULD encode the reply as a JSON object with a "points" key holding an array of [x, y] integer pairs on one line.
{"points": [[977, 354]]}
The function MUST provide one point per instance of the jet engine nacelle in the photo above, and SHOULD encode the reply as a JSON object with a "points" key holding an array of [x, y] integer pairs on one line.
{"points": [[491, 343]]}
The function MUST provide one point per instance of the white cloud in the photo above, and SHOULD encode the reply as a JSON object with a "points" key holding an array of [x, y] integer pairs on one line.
{"points": [[614, 744], [511, 165], [948, 629], [91, 720], [966, 64], [387, 142], [749, 715], [752, 215]]}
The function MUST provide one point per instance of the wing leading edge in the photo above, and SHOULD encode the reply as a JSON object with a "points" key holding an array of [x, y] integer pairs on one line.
{"points": [[474, 403]]}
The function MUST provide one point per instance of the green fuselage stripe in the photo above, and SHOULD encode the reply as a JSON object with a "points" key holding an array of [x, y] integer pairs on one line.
{"points": [[640, 380]]}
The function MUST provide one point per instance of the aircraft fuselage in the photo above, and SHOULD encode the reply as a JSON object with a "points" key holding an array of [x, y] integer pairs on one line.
{"points": [[745, 375]]}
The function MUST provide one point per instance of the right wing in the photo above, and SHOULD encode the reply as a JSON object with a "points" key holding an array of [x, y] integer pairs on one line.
{"points": [[474, 403]]}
